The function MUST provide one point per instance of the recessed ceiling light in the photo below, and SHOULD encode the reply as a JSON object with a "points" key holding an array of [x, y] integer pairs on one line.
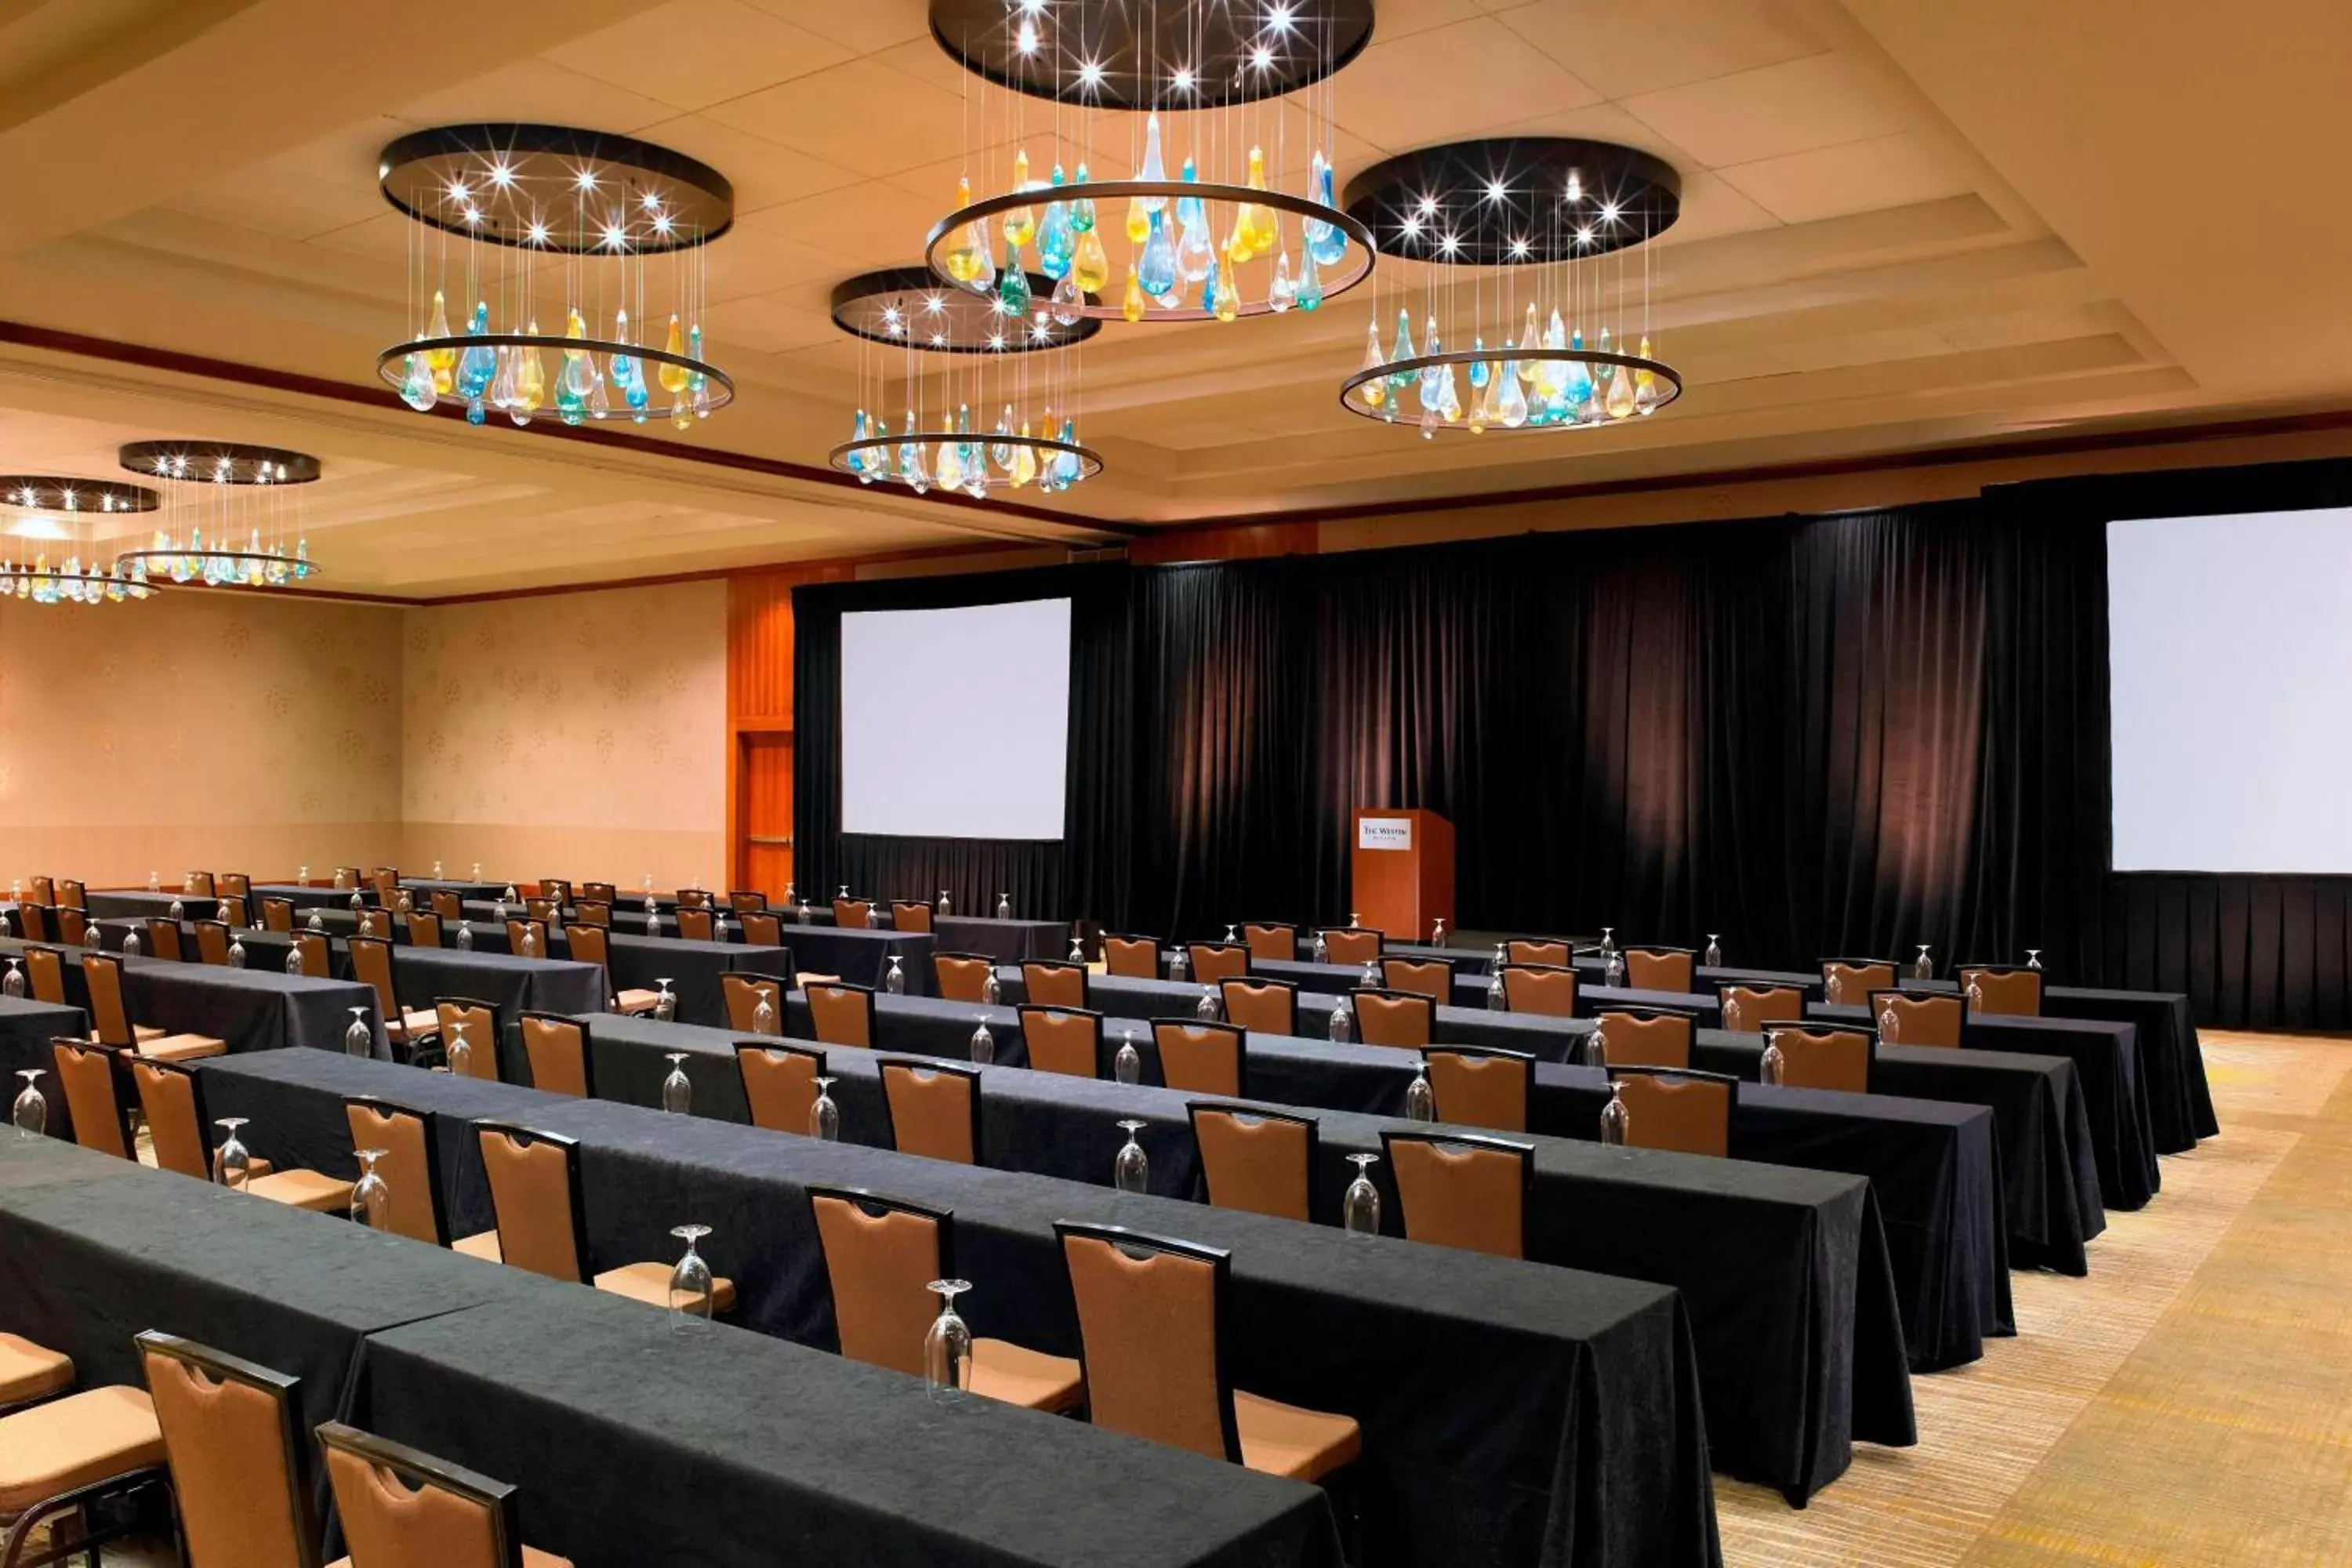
{"points": [[538, 233], [1090, 73], [1278, 19], [613, 237], [1261, 56], [1496, 191], [457, 190], [1520, 248], [1429, 206], [587, 179], [1608, 212], [1585, 236], [501, 176], [1184, 78]]}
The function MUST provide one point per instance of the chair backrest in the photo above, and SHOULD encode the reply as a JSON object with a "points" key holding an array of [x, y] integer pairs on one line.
{"points": [[556, 1048], [694, 897], [1255, 1159], [933, 1108], [603, 893], [1405, 1018], [447, 904], [961, 976], [1848, 981], [385, 880], [1352, 945], [72, 895], [347, 878], [277, 914], [1054, 983], [411, 1166], [1148, 1336], [839, 1014], [72, 925], [696, 925], [548, 909], [318, 957], [371, 966], [880, 1257], [86, 1073], [163, 938], [593, 912], [1065, 1040], [44, 890], [402, 1509], [1477, 1086], [1133, 957], [1818, 1056], [1464, 1192], [852, 914], [212, 942], [1908, 1020], [236, 885], [101, 976], [424, 929], [535, 929], [174, 1101], [233, 1442], [588, 946], [377, 923], [535, 1196], [234, 907], [1689, 1112], [46, 968], [202, 885], [481, 1021], [1659, 968], [1529, 949], [1214, 961], [1269, 1006], [38, 921], [1642, 1037], [747, 901], [910, 915], [1269, 943], [556, 889], [1547, 990], [762, 928], [1747, 1008], [1202, 1057], [1431, 977], [2002, 989], [742, 993], [779, 1083]]}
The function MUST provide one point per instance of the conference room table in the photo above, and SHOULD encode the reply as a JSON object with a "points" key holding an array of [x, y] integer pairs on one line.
{"points": [[425, 887], [249, 1009], [631, 1444], [1511, 1411], [27, 1027], [1007, 941], [138, 904], [860, 957], [1791, 1296], [642, 962]]}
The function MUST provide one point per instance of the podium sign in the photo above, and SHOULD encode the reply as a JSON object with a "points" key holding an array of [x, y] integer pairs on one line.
{"points": [[1403, 871]]}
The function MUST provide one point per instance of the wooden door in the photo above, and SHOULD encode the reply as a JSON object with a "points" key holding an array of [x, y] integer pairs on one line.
{"points": [[765, 850]]}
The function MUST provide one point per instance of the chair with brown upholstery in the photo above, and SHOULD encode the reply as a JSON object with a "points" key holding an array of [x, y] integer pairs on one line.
{"points": [[447, 905], [237, 1457], [233, 912], [1131, 957], [402, 1509], [2010, 991], [1065, 1040], [1546, 953], [1848, 981], [377, 923], [478, 1022], [592, 945], [348, 878], [1202, 1057], [371, 966], [1212, 962], [1642, 1037], [234, 885], [163, 939], [762, 928], [962, 976], [1480, 1086], [1688, 1112], [1256, 1159], [1546, 990], [557, 890], [1351, 944], [933, 1108], [1430, 977], [78, 1472], [527, 938], [694, 897], [31, 1372], [744, 993], [1661, 969], [424, 929], [1403, 1018], [1270, 943], [72, 894], [86, 1074], [46, 968], [852, 914], [101, 977], [841, 1014], [44, 891], [603, 893], [277, 914], [1462, 1191], [318, 957], [38, 921], [747, 901], [73, 925], [696, 925], [1051, 983], [385, 881], [910, 915], [779, 1083], [1746, 1008], [551, 910], [411, 1165], [173, 1096], [535, 1196], [590, 912], [1150, 1317], [212, 943], [201, 884], [1816, 1056], [1906, 1018], [1268, 1007], [555, 1048]]}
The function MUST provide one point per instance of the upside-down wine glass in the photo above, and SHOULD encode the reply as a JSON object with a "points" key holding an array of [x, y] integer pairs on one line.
{"points": [[983, 1044], [231, 1162], [358, 1041], [988, 989], [943, 901], [824, 1116], [1713, 956], [316, 922], [1131, 1172], [1341, 1029], [358, 899], [131, 946], [1180, 967], [294, 959], [93, 938], [946, 1346], [1127, 1066], [802, 913], [1320, 952], [461, 1050], [1005, 906], [31, 1111], [678, 1091], [236, 948], [12, 984], [1596, 1044], [1613, 968], [154, 885], [2033, 958], [1370, 977], [464, 936], [665, 1002], [1207, 1008], [1608, 940], [895, 983], [1498, 998], [1923, 967], [1360, 1211], [1773, 1068], [371, 1199], [179, 910], [692, 1295], [1078, 948], [437, 871], [1437, 931], [763, 1016], [1232, 935], [1420, 1099], [477, 871], [1615, 1120]]}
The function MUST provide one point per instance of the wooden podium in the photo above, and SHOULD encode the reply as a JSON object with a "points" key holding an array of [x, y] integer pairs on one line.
{"points": [[1403, 871]]}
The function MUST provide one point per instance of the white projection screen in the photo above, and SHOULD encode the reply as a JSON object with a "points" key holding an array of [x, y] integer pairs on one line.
{"points": [[956, 723], [2229, 654]]}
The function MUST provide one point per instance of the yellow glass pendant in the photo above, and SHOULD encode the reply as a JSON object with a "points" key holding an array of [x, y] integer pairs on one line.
{"points": [[1132, 304], [1139, 221], [1020, 223], [1024, 461], [442, 362], [970, 253], [673, 376], [531, 378], [1090, 266]]}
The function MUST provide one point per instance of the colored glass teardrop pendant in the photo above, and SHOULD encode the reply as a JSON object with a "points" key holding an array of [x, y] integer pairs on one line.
{"points": [[1022, 221], [1090, 266], [1013, 290]]}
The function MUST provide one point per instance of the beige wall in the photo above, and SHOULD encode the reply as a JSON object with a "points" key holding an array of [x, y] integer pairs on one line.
{"points": [[227, 732], [579, 735]]}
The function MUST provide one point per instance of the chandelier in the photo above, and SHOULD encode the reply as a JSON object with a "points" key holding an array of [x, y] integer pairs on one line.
{"points": [[587, 231], [1537, 245], [943, 358], [233, 514], [57, 509], [1234, 100]]}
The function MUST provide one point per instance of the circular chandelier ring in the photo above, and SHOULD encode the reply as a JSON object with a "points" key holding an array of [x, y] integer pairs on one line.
{"points": [[1090, 461], [720, 388], [1351, 272], [1661, 373], [151, 559]]}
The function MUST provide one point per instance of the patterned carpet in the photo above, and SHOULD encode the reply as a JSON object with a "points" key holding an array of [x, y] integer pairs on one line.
{"points": [[2188, 1403]]}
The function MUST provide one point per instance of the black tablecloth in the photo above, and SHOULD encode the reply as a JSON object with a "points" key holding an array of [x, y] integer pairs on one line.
{"points": [[1785, 1272], [1512, 1412], [1007, 941], [249, 1009], [425, 887], [140, 905], [860, 957], [642, 962], [27, 1027], [307, 897]]}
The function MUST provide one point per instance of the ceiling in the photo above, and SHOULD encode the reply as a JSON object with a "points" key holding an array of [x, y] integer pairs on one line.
{"points": [[1904, 226]]}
